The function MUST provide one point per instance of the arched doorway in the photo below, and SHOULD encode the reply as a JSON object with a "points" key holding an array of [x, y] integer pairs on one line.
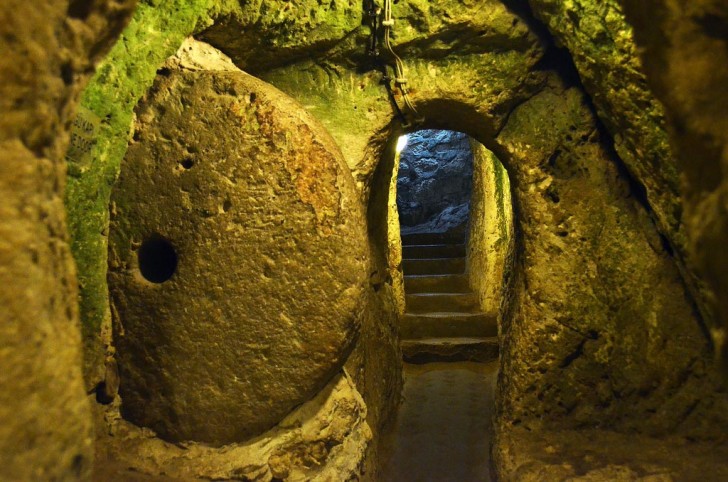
{"points": [[451, 201]]}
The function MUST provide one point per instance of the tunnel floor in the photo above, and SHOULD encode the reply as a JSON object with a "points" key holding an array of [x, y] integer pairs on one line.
{"points": [[443, 429]]}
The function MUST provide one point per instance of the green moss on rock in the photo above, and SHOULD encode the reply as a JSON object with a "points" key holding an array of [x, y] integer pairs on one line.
{"points": [[155, 32], [601, 44]]}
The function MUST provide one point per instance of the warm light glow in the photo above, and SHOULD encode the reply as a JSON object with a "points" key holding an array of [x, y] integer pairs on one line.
{"points": [[401, 143]]}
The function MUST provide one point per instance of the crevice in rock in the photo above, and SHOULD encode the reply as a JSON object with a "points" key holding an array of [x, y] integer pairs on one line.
{"points": [[579, 350]]}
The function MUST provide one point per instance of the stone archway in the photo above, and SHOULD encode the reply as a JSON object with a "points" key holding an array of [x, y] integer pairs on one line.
{"points": [[489, 229], [574, 305]]}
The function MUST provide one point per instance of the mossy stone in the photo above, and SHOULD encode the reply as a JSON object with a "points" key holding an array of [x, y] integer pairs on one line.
{"points": [[238, 258]]}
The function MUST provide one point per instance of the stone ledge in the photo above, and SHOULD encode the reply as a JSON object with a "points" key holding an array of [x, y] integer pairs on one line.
{"points": [[450, 350], [323, 439], [599, 455]]}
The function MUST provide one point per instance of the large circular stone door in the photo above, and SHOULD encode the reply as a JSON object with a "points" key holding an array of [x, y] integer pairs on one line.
{"points": [[237, 258]]}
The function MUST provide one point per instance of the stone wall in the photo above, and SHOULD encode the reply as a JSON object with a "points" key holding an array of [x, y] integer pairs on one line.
{"points": [[434, 181], [683, 49], [49, 50], [625, 87], [601, 45], [490, 239], [591, 340], [378, 357]]}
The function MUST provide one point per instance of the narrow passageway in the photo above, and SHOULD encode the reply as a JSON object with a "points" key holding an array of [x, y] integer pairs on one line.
{"points": [[230, 229], [443, 321], [443, 430], [449, 344]]}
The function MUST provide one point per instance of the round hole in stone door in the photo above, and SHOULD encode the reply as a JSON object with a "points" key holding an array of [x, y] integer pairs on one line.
{"points": [[157, 259]]}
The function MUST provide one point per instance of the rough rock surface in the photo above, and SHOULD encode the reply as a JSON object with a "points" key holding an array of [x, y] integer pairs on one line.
{"points": [[592, 455], [602, 47], [601, 331], [49, 49], [281, 32], [490, 239], [238, 262], [375, 368], [376, 362], [348, 102], [434, 180], [446, 45], [322, 440], [601, 43], [684, 48]]}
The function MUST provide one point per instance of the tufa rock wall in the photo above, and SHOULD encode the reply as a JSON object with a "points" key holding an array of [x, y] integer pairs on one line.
{"points": [[683, 49], [49, 50], [602, 332], [580, 316], [625, 84], [490, 239], [602, 47], [434, 181]]}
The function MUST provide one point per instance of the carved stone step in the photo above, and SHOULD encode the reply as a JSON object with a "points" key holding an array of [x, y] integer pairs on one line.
{"points": [[427, 350], [448, 325], [441, 283], [433, 266], [433, 251], [438, 302], [432, 238]]}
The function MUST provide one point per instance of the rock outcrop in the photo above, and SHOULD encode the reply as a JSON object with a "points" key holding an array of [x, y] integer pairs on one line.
{"points": [[324, 439], [491, 238]]}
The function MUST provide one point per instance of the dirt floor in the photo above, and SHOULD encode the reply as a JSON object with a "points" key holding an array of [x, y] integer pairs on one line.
{"points": [[443, 430]]}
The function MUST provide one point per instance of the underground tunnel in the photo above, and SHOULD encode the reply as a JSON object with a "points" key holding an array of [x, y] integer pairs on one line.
{"points": [[220, 261], [455, 220]]}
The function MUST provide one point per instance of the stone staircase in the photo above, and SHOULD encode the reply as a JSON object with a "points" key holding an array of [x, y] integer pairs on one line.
{"points": [[442, 320]]}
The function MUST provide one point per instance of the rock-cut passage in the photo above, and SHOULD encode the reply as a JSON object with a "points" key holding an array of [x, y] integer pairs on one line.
{"points": [[443, 321], [443, 429]]}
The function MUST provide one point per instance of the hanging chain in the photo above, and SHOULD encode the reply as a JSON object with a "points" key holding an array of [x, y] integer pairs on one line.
{"points": [[381, 24]]}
